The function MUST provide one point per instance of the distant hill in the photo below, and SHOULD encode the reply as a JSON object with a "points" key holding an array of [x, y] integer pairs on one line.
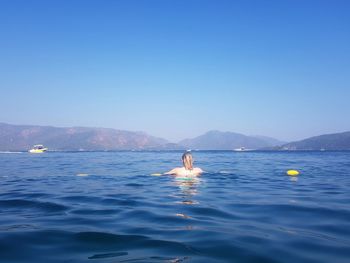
{"points": [[167, 147], [270, 140], [330, 142], [23, 137], [217, 140]]}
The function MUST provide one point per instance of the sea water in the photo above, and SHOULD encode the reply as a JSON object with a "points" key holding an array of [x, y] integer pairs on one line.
{"points": [[107, 207]]}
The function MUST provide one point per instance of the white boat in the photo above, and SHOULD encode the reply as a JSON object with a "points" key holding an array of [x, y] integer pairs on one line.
{"points": [[242, 149], [39, 148]]}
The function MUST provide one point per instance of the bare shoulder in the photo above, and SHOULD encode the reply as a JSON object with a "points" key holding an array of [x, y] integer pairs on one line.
{"points": [[197, 170]]}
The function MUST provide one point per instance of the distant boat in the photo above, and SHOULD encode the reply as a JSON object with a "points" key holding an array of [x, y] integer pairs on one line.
{"points": [[38, 149], [242, 149]]}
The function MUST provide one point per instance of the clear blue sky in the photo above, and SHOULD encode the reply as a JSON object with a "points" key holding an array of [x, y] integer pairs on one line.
{"points": [[176, 69]]}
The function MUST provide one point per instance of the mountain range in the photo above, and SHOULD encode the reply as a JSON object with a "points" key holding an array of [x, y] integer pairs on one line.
{"points": [[327, 142], [23, 137], [217, 140]]}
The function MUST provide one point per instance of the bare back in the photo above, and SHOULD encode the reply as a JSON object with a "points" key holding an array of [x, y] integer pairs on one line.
{"points": [[182, 171]]}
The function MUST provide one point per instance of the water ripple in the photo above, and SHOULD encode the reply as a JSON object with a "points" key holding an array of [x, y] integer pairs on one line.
{"points": [[244, 210]]}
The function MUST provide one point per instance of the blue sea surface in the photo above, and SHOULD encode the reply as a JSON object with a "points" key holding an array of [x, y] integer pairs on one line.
{"points": [[107, 207]]}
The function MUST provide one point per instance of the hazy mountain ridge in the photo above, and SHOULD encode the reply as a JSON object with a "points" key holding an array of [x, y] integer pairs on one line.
{"points": [[217, 140], [327, 142], [270, 140], [23, 137]]}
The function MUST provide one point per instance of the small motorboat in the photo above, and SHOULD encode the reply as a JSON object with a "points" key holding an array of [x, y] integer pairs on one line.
{"points": [[240, 149], [38, 149]]}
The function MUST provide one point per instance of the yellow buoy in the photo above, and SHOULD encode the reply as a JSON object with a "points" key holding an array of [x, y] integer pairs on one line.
{"points": [[293, 172], [156, 174]]}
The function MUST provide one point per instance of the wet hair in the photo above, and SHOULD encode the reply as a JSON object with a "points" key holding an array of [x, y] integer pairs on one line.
{"points": [[187, 161]]}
